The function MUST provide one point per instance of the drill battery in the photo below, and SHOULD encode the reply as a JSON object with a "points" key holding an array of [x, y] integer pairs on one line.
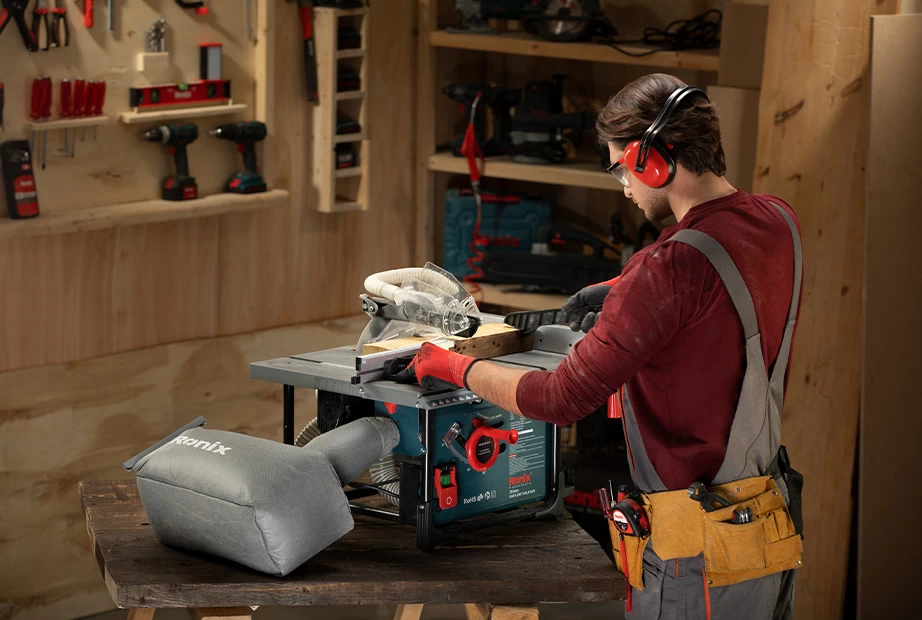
{"points": [[347, 80], [346, 156]]}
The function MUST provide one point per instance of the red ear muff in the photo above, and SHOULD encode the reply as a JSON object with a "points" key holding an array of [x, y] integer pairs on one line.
{"points": [[659, 169]]}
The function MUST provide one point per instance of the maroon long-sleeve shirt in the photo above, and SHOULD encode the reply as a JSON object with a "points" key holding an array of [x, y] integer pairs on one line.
{"points": [[669, 331]]}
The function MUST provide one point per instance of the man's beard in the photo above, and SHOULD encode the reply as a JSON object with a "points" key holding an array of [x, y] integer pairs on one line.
{"points": [[659, 208]]}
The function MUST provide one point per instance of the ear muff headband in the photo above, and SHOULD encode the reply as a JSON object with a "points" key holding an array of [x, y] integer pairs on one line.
{"points": [[649, 136]]}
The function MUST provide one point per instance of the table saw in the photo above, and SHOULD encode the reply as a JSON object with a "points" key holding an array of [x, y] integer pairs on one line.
{"points": [[463, 463]]}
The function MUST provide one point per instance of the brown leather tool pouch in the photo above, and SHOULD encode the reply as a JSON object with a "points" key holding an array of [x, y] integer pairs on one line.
{"points": [[735, 552], [633, 554]]}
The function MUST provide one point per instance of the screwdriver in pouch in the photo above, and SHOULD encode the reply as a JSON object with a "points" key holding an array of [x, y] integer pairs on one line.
{"points": [[67, 109]]}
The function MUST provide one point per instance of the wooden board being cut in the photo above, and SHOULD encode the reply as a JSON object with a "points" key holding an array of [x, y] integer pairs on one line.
{"points": [[491, 340]]}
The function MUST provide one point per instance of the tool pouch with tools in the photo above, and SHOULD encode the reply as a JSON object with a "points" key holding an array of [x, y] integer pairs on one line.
{"points": [[733, 552], [263, 504]]}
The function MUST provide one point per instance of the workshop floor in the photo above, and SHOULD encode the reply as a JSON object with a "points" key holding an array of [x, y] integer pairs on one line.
{"points": [[597, 611]]}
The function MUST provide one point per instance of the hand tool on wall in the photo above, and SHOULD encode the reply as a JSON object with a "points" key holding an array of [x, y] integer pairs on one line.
{"points": [[176, 138], [155, 37], [99, 100], [110, 15], [306, 8], [16, 10], [39, 16], [67, 109], [245, 134], [80, 95], [88, 13], [40, 109], [60, 31], [199, 6], [248, 19], [18, 179]]}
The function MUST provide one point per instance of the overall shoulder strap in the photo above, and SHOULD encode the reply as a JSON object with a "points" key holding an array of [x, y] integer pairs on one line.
{"points": [[784, 353], [729, 274]]}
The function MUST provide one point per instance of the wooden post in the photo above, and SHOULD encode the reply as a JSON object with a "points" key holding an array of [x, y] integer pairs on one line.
{"points": [[141, 613], [811, 152], [408, 612], [514, 613], [425, 132], [477, 611]]}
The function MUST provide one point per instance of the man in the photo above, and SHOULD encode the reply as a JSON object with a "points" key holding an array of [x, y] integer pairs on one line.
{"points": [[696, 354]]}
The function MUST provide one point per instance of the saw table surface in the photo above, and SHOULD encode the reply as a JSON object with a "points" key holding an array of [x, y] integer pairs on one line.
{"points": [[376, 563]]}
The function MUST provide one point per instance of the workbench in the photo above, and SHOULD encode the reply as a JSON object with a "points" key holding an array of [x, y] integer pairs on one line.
{"points": [[517, 565]]}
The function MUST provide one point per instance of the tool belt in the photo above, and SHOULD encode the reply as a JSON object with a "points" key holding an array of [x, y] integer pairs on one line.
{"points": [[733, 552]]}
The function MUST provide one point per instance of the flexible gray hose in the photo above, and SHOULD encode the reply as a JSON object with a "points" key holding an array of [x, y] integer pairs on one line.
{"points": [[382, 471]]}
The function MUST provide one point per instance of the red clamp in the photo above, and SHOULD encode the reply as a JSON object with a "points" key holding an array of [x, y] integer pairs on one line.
{"points": [[482, 429], [446, 486]]}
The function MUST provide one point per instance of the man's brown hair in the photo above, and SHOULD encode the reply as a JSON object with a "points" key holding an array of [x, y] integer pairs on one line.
{"points": [[693, 128]]}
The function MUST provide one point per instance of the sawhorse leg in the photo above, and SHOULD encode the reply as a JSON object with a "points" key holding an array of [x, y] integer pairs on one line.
{"points": [[288, 414]]}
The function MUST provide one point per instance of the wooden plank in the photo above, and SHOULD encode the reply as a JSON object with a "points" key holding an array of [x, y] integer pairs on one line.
{"points": [[324, 110], [738, 109], [408, 612], [892, 332], [181, 114], [143, 212], [512, 297], [424, 228], [576, 173], [814, 91], [514, 613], [141, 614], [528, 45], [742, 45], [68, 123], [513, 564], [491, 340]]}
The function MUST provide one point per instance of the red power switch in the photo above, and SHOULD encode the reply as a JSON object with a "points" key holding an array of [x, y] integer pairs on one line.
{"points": [[491, 438], [446, 487]]}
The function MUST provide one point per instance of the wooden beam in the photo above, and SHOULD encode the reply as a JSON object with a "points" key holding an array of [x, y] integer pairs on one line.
{"points": [[811, 150], [141, 613], [514, 613], [477, 611], [425, 131], [408, 612], [221, 613]]}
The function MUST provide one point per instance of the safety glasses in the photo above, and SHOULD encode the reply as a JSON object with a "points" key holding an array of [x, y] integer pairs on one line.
{"points": [[620, 172]]}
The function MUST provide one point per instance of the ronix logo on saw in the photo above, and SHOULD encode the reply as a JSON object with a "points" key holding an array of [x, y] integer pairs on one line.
{"points": [[523, 479], [214, 448]]}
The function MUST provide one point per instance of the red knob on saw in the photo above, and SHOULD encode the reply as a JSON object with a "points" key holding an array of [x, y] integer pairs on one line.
{"points": [[494, 435]]}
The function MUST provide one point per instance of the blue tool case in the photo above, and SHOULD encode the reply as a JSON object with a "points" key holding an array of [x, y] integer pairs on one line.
{"points": [[509, 222]]}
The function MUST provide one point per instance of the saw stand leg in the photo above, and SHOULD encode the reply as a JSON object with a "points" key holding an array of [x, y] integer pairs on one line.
{"points": [[203, 613], [476, 611]]}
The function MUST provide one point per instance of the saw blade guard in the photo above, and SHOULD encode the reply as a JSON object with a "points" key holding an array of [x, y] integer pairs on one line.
{"points": [[431, 300]]}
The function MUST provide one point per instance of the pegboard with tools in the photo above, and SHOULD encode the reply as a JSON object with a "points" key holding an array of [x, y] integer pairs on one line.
{"points": [[89, 84]]}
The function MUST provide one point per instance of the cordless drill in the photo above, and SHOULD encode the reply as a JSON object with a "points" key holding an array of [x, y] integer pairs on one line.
{"points": [[246, 134], [176, 138]]}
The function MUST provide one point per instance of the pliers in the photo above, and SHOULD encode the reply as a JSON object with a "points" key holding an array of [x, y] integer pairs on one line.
{"points": [[16, 9], [39, 15], [59, 21]]}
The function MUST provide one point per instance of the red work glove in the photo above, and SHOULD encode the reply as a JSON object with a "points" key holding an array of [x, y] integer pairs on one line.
{"points": [[434, 368]]}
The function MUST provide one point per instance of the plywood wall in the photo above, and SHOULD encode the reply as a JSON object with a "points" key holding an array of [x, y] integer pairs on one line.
{"points": [[70, 422], [891, 427], [74, 296], [811, 152]]}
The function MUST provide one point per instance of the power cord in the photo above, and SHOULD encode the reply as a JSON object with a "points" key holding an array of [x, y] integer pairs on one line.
{"points": [[699, 32]]}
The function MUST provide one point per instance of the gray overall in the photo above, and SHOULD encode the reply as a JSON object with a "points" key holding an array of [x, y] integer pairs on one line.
{"points": [[676, 588]]}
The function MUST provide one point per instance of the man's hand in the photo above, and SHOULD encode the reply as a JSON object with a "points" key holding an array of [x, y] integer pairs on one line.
{"points": [[434, 368], [592, 295]]}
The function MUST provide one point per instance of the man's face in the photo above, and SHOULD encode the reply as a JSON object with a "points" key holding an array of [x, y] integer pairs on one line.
{"points": [[652, 201]]}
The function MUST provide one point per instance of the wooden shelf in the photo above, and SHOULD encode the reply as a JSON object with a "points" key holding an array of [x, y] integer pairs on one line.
{"points": [[67, 123], [147, 212], [350, 12], [528, 45], [577, 174], [512, 296], [131, 118], [342, 207], [345, 173], [349, 137], [343, 54], [350, 95]]}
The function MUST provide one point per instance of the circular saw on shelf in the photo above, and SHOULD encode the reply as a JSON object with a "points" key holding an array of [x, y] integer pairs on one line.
{"points": [[567, 20]]}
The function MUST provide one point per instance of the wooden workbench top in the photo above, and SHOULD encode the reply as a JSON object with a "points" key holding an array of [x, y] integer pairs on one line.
{"points": [[376, 563]]}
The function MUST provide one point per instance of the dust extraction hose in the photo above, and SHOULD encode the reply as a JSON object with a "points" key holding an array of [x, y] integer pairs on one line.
{"points": [[384, 470], [387, 283]]}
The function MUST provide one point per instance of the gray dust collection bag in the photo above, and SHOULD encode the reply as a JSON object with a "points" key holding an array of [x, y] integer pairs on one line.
{"points": [[263, 504]]}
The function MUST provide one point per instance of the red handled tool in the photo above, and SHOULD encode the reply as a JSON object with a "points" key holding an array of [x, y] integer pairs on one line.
{"points": [[306, 8], [199, 6], [60, 31], [16, 10], [88, 13], [40, 109], [1, 107], [67, 109], [39, 16]]}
